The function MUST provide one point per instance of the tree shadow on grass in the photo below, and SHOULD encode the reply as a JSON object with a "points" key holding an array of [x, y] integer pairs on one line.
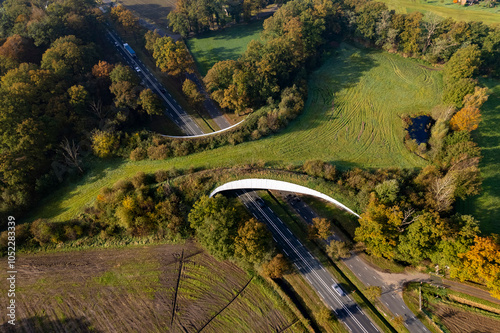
{"points": [[342, 70], [50, 205], [486, 206], [44, 324], [154, 12]]}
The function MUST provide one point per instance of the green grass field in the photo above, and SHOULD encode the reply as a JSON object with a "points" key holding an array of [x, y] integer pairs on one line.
{"points": [[446, 9], [351, 118], [486, 206], [229, 43]]}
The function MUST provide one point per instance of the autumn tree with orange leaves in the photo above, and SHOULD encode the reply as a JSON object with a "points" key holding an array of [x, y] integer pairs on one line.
{"points": [[468, 118], [482, 264]]}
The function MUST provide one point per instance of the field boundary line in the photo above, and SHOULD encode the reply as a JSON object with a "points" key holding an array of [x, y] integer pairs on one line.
{"points": [[228, 304], [177, 288], [287, 327]]}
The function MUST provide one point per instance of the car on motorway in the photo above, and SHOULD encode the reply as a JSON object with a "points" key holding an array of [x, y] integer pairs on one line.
{"points": [[260, 202], [163, 90], [338, 289], [137, 69]]}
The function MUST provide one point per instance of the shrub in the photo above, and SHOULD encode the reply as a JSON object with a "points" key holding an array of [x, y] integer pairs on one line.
{"points": [[160, 152], [161, 176], [138, 154], [139, 179]]}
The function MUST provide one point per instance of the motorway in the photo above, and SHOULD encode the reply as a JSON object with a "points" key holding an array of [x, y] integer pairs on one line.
{"points": [[173, 110], [346, 310], [369, 276]]}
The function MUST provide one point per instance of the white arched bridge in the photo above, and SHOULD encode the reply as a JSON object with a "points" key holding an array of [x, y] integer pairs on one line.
{"points": [[276, 185]]}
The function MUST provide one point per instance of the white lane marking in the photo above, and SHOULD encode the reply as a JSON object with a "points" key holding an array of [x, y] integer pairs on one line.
{"points": [[366, 268], [374, 277], [321, 294], [306, 263], [374, 326], [285, 252], [403, 307]]}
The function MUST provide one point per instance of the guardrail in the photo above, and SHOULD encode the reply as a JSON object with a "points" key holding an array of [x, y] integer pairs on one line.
{"points": [[200, 135]]}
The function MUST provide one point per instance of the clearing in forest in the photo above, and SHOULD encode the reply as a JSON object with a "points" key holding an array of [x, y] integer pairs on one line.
{"points": [[225, 44]]}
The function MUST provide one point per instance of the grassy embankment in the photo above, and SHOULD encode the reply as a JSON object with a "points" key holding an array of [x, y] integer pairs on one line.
{"points": [[351, 118], [447, 8]]}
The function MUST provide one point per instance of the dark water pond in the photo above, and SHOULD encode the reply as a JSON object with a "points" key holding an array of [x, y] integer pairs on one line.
{"points": [[420, 129]]}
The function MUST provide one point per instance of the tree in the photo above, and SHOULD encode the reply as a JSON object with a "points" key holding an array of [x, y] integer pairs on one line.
{"points": [[191, 91], [104, 144], [458, 73], [150, 102], [322, 228], [421, 239], [172, 57], [68, 56], [150, 38], [338, 249], [276, 267], [388, 191], [379, 228], [482, 264], [123, 73], [71, 154], [253, 242], [125, 94], [215, 224], [123, 16], [102, 69], [373, 293], [468, 118]]}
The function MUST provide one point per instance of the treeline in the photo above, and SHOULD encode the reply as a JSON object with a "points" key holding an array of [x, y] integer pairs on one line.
{"points": [[168, 205]]}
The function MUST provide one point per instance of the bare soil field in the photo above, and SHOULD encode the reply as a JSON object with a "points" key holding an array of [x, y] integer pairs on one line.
{"points": [[458, 321], [178, 288]]}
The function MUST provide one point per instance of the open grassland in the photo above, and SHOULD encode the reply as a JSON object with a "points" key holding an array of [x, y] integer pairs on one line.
{"points": [[229, 43], [447, 9], [351, 118], [128, 290], [486, 206], [154, 10]]}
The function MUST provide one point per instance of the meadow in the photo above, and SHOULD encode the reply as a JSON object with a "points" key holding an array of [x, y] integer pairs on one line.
{"points": [[446, 8], [351, 118], [228, 43], [127, 290]]}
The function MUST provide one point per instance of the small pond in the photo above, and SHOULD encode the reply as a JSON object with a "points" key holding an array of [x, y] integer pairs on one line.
{"points": [[420, 129]]}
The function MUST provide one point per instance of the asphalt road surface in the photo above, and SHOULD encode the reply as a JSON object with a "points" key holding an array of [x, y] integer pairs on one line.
{"points": [[173, 110], [346, 310], [369, 276]]}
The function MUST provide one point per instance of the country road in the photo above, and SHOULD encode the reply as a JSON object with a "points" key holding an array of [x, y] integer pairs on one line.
{"points": [[345, 308]]}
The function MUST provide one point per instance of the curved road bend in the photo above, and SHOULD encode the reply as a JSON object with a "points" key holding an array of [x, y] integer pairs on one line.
{"points": [[174, 111], [348, 312], [368, 275]]}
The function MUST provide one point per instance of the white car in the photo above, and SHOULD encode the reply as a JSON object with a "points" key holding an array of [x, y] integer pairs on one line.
{"points": [[338, 289], [137, 69]]}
